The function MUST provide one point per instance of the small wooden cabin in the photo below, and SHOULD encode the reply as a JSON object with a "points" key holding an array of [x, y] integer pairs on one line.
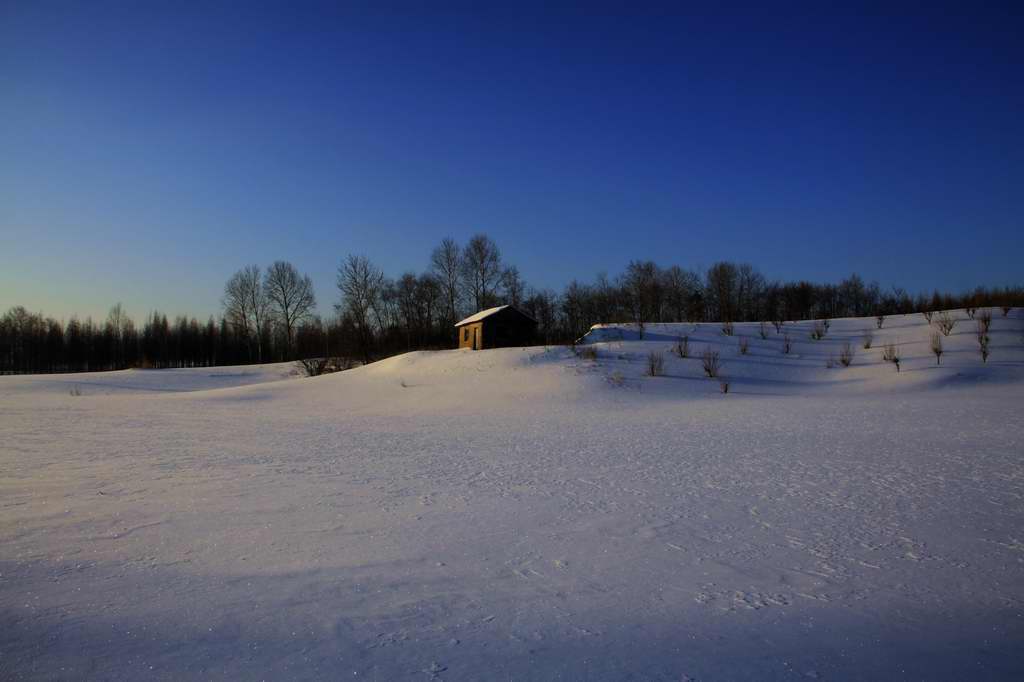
{"points": [[497, 328]]}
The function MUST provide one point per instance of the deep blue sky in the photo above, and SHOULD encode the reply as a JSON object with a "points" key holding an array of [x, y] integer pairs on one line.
{"points": [[148, 153]]}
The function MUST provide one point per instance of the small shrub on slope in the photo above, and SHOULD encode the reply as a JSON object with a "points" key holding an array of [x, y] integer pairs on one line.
{"points": [[711, 363], [846, 354], [984, 321], [655, 364], [892, 354], [682, 347], [936, 347], [313, 367], [983, 339]]}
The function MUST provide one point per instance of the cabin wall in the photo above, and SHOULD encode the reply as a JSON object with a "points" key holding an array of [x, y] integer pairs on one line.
{"points": [[466, 334]]}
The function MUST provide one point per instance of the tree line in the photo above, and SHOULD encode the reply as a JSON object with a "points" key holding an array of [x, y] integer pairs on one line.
{"points": [[269, 315]]}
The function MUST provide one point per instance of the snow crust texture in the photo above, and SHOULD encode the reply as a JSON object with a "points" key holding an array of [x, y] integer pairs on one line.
{"points": [[527, 514]]}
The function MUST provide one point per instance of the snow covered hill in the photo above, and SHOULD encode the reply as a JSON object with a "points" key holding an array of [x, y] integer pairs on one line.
{"points": [[521, 514]]}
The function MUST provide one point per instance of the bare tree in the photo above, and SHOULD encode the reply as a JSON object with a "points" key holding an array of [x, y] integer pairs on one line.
{"points": [[360, 284], [936, 347], [246, 306], [750, 287], [481, 270], [405, 297], [641, 291], [116, 318], [945, 323], [290, 297], [679, 287], [446, 261], [853, 293], [513, 286], [118, 322], [386, 306], [543, 306], [722, 285], [429, 296]]}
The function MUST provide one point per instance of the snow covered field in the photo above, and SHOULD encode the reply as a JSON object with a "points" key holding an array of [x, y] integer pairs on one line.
{"points": [[526, 514]]}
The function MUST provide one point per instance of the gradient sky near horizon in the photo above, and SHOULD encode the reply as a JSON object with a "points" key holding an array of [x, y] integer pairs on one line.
{"points": [[149, 150]]}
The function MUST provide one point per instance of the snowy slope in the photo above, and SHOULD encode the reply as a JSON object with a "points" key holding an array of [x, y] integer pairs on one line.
{"points": [[766, 370], [526, 514]]}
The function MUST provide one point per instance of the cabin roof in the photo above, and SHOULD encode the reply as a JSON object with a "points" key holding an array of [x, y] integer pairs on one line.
{"points": [[476, 317]]}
